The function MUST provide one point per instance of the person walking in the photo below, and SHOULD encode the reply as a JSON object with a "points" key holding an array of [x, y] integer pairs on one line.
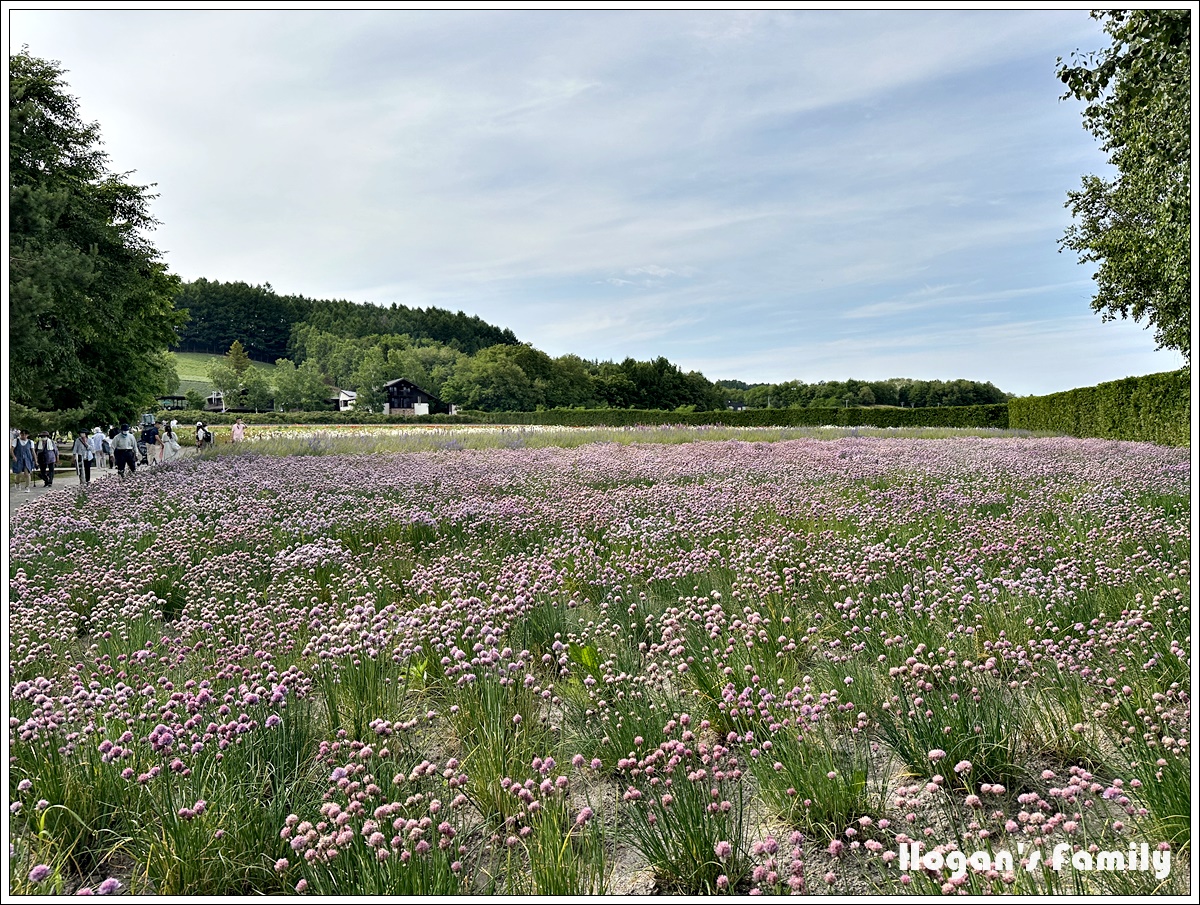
{"points": [[125, 447], [204, 437], [150, 440], [47, 457], [81, 452], [170, 442], [96, 442], [22, 459], [238, 431]]}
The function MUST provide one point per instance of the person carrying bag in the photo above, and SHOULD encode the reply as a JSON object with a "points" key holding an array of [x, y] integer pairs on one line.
{"points": [[47, 457]]}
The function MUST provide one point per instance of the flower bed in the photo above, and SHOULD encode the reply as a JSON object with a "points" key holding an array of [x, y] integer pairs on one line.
{"points": [[738, 665]]}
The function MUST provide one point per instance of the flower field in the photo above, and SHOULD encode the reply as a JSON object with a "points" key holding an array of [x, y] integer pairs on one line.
{"points": [[703, 667]]}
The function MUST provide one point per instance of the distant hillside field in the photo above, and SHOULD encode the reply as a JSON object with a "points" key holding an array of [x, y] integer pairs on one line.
{"points": [[192, 368]]}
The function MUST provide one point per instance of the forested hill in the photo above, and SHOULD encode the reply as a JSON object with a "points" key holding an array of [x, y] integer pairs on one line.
{"points": [[262, 320]]}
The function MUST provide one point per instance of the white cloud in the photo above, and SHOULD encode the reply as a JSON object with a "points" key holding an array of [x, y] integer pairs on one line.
{"points": [[709, 184]]}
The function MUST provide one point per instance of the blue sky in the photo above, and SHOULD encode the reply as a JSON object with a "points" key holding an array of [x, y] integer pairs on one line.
{"points": [[766, 196]]}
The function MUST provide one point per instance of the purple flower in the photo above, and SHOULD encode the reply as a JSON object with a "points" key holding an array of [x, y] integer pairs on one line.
{"points": [[39, 873]]}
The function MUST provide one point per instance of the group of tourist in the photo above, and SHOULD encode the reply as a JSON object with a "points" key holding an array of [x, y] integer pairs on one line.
{"points": [[119, 448]]}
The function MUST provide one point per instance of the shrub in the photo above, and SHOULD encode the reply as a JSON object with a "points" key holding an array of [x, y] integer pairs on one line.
{"points": [[1155, 408]]}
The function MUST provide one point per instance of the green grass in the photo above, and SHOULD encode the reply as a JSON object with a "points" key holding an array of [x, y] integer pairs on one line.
{"points": [[192, 368]]}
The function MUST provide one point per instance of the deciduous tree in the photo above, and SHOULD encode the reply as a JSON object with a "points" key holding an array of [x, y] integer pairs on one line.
{"points": [[1137, 225], [90, 299]]}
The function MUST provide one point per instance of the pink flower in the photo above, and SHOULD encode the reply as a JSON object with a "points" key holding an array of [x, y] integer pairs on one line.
{"points": [[39, 873], [723, 850]]}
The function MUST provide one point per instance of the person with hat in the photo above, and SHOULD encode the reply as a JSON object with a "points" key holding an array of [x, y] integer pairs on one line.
{"points": [[21, 452], [47, 457], [203, 436], [150, 441], [96, 442], [125, 448], [238, 432], [81, 452]]}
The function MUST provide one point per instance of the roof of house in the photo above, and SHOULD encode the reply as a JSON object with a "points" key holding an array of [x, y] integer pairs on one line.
{"points": [[404, 380]]}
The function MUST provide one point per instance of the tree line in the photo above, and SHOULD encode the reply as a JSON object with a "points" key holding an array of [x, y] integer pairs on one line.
{"points": [[896, 391], [520, 378], [502, 377]]}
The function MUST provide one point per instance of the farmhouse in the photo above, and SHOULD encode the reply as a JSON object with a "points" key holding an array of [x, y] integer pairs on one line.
{"points": [[406, 398], [343, 401]]}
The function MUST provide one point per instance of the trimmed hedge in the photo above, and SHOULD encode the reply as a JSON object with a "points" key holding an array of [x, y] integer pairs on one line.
{"points": [[191, 416], [948, 416], [1155, 408]]}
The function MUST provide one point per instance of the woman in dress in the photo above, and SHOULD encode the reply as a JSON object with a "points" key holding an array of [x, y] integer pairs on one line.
{"points": [[22, 459], [170, 441]]}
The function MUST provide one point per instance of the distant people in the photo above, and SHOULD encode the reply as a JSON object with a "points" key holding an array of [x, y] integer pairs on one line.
{"points": [[125, 448], [238, 432], [170, 442], [204, 437], [96, 442], [150, 438], [22, 459], [81, 452], [160, 447], [47, 458]]}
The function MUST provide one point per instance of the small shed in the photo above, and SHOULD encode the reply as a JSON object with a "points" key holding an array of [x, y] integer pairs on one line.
{"points": [[173, 403], [406, 398]]}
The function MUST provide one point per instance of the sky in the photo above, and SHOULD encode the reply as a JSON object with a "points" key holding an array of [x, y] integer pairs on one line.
{"points": [[764, 196]]}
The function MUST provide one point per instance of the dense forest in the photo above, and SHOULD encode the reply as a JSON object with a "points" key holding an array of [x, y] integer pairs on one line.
{"points": [[263, 321]]}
